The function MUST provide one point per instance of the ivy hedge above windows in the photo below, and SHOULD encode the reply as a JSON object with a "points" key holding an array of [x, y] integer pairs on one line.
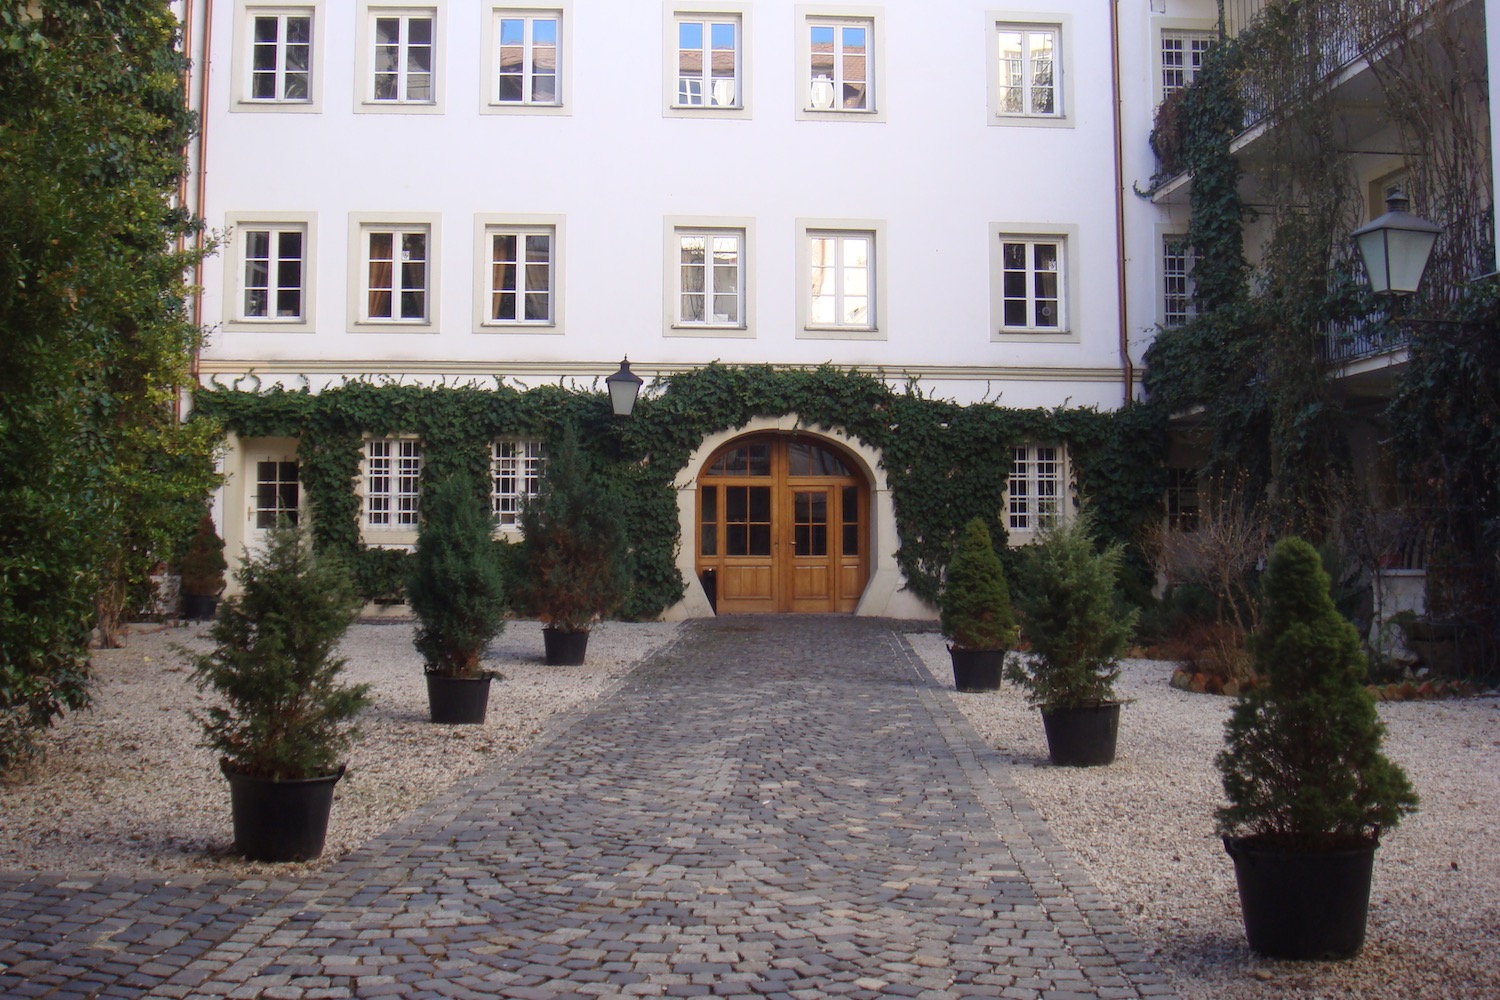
{"points": [[944, 463]]}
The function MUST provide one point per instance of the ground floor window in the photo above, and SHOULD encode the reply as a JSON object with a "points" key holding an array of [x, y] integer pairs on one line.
{"points": [[1036, 488], [515, 473], [277, 493], [393, 473]]}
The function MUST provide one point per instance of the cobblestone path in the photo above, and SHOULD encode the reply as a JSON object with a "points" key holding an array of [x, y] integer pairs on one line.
{"points": [[770, 807]]}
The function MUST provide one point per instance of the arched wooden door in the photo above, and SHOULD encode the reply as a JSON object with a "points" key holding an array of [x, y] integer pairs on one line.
{"points": [[782, 526]]}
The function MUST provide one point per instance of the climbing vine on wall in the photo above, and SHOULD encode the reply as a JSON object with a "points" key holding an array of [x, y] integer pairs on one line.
{"points": [[945, 463]]}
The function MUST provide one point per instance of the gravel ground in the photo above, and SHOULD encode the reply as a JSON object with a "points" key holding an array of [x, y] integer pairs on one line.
{"points": [[126, 788], [1142, 828]]}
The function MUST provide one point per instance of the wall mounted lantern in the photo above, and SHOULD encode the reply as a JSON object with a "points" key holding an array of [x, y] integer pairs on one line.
{"points": [[624, 386], [1395, 247]]}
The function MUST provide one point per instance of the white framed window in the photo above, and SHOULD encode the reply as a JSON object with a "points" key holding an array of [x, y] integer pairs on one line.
{"points": [[398, 59], [1182, 55], [273, 66], [1031, 284], [520, 271], [527, 46], [1036, 490], [708, 61], [396, 258], [278, 493], [515, 474], [393, 483], [839, 264], [1176, 280], [841, 63], [1029, 82], [268, 272], [707, 265]]}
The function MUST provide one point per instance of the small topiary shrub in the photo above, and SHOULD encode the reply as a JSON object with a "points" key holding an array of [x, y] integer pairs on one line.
{"points": [[457, 589], [1070, 613], [203, 564], [286, 715], [974, 603], [1302, 767]]}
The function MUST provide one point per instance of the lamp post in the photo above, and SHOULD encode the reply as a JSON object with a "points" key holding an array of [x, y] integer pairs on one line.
{"points": [[624, 386], [1395, 247]]}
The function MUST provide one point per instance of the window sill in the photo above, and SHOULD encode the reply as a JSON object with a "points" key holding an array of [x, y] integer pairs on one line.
{"points": [[549, 110], [284, 107], [393, 326], [839, 115], [707, 330], [399, 107], [841, 333], [1030, 121]]}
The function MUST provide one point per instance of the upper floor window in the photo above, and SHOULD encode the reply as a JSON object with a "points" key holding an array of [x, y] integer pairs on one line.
{"points": [[710, 277], [527, 49], [1031, 284], [520, 274], [1028, 70], [839, 64], [515, 474], [841, 286], [1182, 55], [277, 493], [708, 61], [281, 56], [1036, 488], [393, 477], [396, 274], [403, 57], [274, 259], [1177, 281]]}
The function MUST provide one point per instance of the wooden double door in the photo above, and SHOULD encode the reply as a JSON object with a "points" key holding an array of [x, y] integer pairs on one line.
{"points": [[782, 526]]}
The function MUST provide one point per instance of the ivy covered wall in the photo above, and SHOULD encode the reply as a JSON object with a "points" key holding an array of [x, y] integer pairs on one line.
{"points": [[945, 463]]}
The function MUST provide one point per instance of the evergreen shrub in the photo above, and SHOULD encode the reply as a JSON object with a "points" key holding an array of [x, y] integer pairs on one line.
{"points": [[974, 604], [203, 564], [457, 587]]}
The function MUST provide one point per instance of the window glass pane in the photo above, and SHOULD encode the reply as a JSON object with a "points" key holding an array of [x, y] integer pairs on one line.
{"points": [[760, 539], [760, 503]]}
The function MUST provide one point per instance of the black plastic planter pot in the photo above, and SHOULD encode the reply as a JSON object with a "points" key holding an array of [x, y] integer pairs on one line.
{"points": [[458, 700], [976, 669], [564, 649], [279, 820], [199, 607], [1082, 737], [1303, 905]]}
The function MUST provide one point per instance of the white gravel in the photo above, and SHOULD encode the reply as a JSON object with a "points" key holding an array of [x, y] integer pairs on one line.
{"points": [[126, 787], [1142, 829]]}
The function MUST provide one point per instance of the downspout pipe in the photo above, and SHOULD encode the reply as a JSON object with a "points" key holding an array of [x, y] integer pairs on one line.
{"points": [[1126, 365], [200, 185]]}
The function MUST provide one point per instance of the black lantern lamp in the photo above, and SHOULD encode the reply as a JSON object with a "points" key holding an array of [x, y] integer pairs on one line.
{"points": [[624, 386], [1395, 247]]}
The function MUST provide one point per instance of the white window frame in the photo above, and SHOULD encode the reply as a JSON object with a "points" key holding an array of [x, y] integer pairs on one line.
{"points": [[1061, 26], [678, 229], [676, 14], [242, 61], [239, 225], [391, 481], [1176, 280], [486, 227], [516, 467], [1038, 490], [874, 231], [364, 95], [1195, 45], [278, 484], [814, 104], [361, 227], [489, 98], [1066, 238]]}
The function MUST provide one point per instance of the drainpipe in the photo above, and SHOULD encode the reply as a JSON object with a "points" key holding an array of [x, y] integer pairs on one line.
{"points": [[1114, 77], [200, 195], [182, 181]]}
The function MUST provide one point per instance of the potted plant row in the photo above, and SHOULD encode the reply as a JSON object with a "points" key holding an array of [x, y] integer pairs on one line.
{"points": [[1078, 628], [285, 721], [1309, 790], [975, 611]]}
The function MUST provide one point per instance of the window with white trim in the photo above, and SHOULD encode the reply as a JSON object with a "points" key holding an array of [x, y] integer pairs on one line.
{"points": [[277, 493], [393, 476], [528, 50], [840, 64], [1176, 280], [403, 57], [1036, 488], [396, 273], [520, 282], [708, 61], [515, 474], [1182, 499], [841, 289], [280, 64], [710, 277], [1032, 284], [1029, 70], [274, 260], [1182, 55]]}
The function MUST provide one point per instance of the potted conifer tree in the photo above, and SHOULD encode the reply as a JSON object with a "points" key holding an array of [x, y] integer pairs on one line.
{"points": [[1078, 630], [572, 550], [457, 592], [285, 722], [975, 611], [1308, 788], [202, 568]]}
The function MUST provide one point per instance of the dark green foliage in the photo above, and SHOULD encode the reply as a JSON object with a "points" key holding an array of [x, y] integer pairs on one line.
{"points": [[286, 714], [975, 601], [202, 566], [456, 588], [98, 481], [1073, 618], [380, 575], [573, 544], [1303, 761]]}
